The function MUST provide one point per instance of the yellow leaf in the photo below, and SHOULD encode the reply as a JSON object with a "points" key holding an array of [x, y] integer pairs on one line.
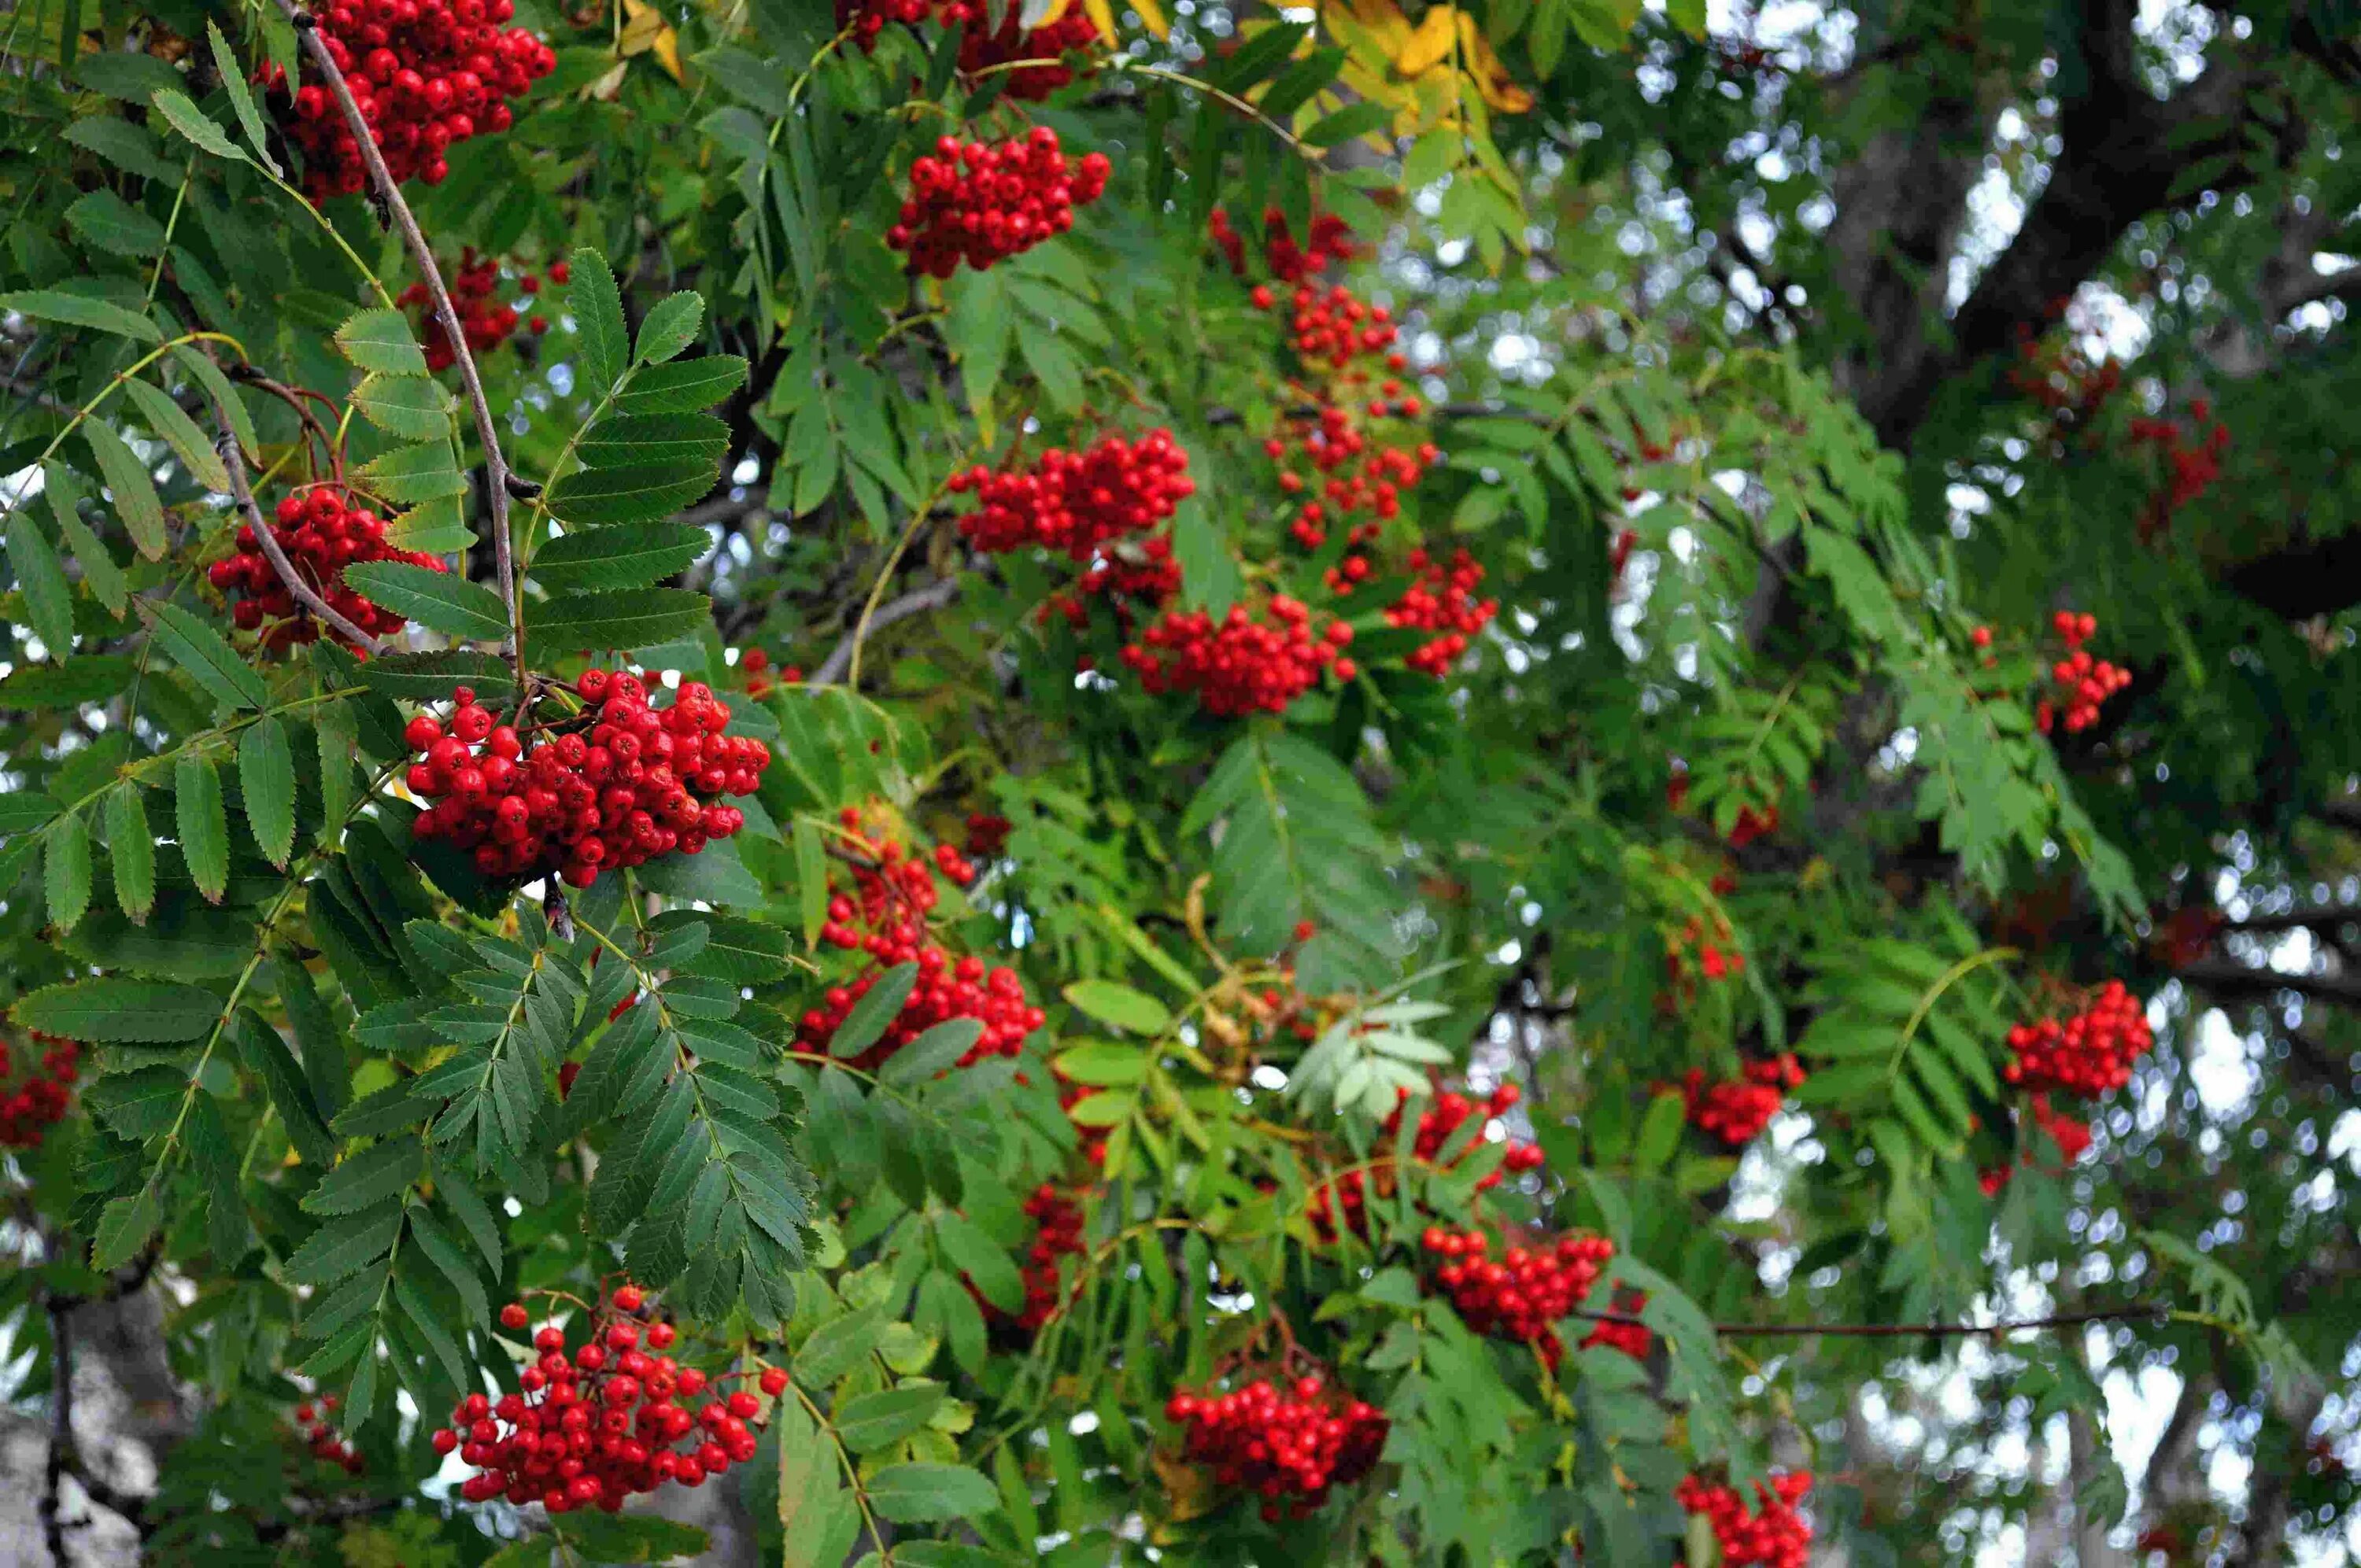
{"points": [[1500, 90], [1381, 18], [1041, 12], [1431, 44], [1102, 18], [1151, 17]]}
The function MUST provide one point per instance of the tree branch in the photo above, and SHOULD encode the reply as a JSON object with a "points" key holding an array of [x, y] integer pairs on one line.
{"points": [[388, 193], [2130, 1313], [917, 601], [242, 491], [2225, 979]]}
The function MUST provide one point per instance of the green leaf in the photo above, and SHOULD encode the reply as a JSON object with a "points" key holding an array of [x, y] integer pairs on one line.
{"points": [[714, 875], [1352, 120], [107, 222], [132, 849], [973, 1253], [119, 1012], [135, 501], [266, 775], [99, 571], [422, 473], [866, 1023], [48, 598], [123, 1227], [1128, 1010], [429, 677], [74, 310], [918, 1494], [1660, 1131], [412, 407], [1103, 1065], [241, 97], [670, 327], [165, 417], [835, 1347], [127, 147], [645, 492], [629, 555], [598, 310], [684, 386], [868, 1422], [66, 875], [192, 123], [445, 602], [345, 1244], [369, 1177], [379, 339], [936, 1050], [205, 655], [632, 441], [623, 621], [203, 824]]}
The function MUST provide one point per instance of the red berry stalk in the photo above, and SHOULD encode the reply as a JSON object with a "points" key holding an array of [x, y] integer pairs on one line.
{"points": [[1736, 1111], [612, 786], [37, 1100], [2088, 1054], [425, 73], [322, 531], [608, 1420], [1289, 1443], [1523, 1293], [982, 202], [1770, 1535]]}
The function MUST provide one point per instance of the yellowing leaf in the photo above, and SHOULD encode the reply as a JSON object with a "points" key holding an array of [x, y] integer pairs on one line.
{"points": [[645, 31], [1500, 90], [1151, 17], [1102, 17], [1431, 44], [1041, 12]]}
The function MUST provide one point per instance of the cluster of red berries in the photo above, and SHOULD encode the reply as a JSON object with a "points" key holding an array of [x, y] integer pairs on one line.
{"points": [[1442, 597], [1523, 1293], [1346, 1199], [987, 835], [1332, 328], [886, 918], [484, 322], [1350, 473], [1242, 662], [760, 682], [983, 47], [980, 203], [1076, 502], [39, 1101], [1736, 1110], [1289, 262], [2071, 1134], [2083, 683], [2089, 1054], [2192, 465], [1287, 1443], [621, 783], [1769, 1535], [425, 73], [319, 1435], [592, 1428], [1715, 961], [322, 532], [1059, 1235]]}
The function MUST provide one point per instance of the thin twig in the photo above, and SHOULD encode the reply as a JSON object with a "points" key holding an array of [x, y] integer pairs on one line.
{"points": [[1900, 1330], [62, 1440], [389, 192], [300, 591], [917, 601]]}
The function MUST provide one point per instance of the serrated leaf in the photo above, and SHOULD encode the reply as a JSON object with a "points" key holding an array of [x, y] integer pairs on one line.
{"points": [[937, 1050], [192, 121], [429, 677], [684, 386], [919, 1494], [425, 472], [66, 872], [266, 776], [867, 1423], [135, 501], [644, 492], [345, 1244], [241, 96], [992, 1271], [165, 417], [107, 222], [113, 1011], [670, 327], [630, 441], [623, 619], [1128, 1010], [628, 556], [132, 850], [99, 571], [864, 1024], [379, 339], [371, 1177], [445, 602], [49, 598], [75, 309], [598, 310], [412, 407], [1103, 1065], [205, 655], [123, 1227]]}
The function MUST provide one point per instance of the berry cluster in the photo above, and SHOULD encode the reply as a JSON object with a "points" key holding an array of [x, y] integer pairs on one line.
{"points": [[1769, 1535], [1059, 1219], [592, 1428], [614, 786], [1735, 1111], [1330, 329], [1442, 597], [1288, 1442], [1076, 502], [1350, 473], [2088, 1054], [1524, 1294], [483, 320], [1346, 1199], [1289, 262], [987, 835], [425, 73], [983, 47], [1715, 960], [982, 202], [760, 682], [2192, 465], [2071, 1134], [2083, 683], [321, 533], [1240, 663], [39, 1101], [319, 1435], [885, 917]]}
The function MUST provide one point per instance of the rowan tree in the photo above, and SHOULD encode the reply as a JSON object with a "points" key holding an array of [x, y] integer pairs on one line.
{"points": [[961, 783]]}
